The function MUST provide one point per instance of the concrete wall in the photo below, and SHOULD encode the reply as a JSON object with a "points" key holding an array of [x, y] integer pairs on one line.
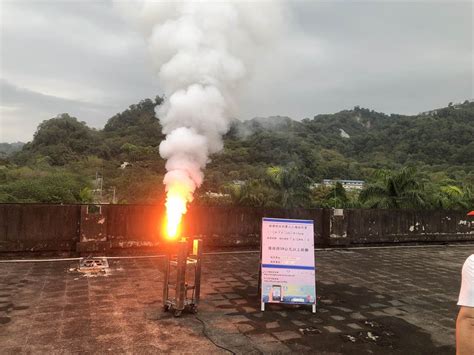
{"points": [[240, 226], [395, 226], [142, 225], [32, 227], [36, 227]]}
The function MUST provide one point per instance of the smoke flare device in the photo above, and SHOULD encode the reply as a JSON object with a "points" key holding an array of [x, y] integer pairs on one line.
{"points": [[182, 283]]}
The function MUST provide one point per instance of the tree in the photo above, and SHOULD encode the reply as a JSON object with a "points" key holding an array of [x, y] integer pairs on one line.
{"points": [[251, 193], [86, 195], [452, 197], [62, 139], [291, 186], [334, 197], [398, 189], [337, 197], [50, 188]]}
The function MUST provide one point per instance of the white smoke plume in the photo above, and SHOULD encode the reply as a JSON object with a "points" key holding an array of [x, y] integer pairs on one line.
{"points": [[202, 52]]}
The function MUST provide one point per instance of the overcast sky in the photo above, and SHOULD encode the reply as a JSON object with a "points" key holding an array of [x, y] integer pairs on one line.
{"points": [[393, 56]]}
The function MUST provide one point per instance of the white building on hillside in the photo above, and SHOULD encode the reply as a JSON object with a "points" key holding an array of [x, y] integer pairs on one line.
{"points": [[347, 184]]}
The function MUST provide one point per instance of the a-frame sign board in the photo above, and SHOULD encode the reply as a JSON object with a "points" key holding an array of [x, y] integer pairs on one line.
{"points": [[287, 262]]}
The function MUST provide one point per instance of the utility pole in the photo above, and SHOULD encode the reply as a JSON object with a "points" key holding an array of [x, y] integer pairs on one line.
{"points": [[98, 185]]}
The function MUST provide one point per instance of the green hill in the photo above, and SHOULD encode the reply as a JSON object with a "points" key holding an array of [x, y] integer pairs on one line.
{"points": [[7, 149], [350, 144]]}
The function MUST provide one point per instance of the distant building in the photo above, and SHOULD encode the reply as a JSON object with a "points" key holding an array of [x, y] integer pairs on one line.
{"points": [[347, 184], [215, 194]]}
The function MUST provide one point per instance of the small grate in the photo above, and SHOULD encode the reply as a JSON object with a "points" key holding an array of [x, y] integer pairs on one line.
{"points": [[91, 264]]}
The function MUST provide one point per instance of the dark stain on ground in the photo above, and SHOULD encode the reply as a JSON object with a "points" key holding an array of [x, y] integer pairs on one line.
{"points": [[5, 306], [4, 320], [8, 305], [18, 308], [377, 334]]}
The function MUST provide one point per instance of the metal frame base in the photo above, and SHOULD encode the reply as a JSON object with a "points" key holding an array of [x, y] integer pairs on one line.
{"points": [[182, 262]]}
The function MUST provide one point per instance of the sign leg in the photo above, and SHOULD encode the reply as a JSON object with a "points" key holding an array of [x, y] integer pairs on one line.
{"points": [[314, 308], [262, 306]]}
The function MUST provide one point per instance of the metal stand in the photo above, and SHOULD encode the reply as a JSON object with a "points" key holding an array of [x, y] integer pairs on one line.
{"points": [[177, 266]]}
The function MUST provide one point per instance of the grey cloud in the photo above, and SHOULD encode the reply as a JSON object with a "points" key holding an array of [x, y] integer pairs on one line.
{"points": [[73, 57], [22, 110], [67, 46], [12, 95], [393, 56], [400, 57]]}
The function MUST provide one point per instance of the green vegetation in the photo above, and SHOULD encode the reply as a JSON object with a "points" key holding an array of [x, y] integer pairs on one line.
{"points": [[422, 161], [7, 149], [335, 197], [51, 185], [279, 187], [399, 189]]}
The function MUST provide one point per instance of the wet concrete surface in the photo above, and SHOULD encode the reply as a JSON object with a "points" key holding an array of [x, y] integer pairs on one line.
{"points": [[387, 300]]}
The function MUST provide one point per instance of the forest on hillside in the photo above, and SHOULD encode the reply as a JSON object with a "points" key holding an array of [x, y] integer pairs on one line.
{"points": [[421, 161]]}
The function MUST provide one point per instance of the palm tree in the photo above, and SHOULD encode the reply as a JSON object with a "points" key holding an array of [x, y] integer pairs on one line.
{"points": [[251, 193], [291, 186], [398, 189], [452, 197], [337, 197], [469, 196], [448, 197]]}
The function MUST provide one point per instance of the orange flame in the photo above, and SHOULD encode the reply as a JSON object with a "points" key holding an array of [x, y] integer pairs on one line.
{"points": [[175, 208]]}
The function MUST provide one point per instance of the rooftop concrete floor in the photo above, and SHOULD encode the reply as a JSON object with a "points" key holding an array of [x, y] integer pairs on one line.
{"points": [[384, 300]]}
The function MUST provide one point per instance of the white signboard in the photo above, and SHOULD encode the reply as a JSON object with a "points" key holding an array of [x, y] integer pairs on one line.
{"points": [[287, 265]]}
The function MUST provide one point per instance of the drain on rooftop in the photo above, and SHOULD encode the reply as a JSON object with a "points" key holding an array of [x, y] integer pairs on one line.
{"points": [[91, 264]]}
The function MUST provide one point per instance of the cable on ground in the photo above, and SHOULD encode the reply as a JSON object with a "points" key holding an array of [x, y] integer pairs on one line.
{"points": [[209, 338]]}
